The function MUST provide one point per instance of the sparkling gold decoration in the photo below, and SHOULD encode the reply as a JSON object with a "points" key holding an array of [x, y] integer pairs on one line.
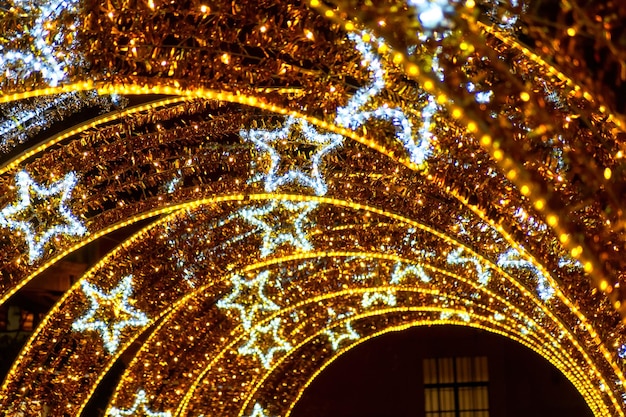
{"points": [[478, 183]]}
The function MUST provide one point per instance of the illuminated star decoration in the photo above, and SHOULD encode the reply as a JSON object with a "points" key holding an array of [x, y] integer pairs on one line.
{"points": [[110, 313], [37, 239], [455, 258], [336, 337], [44, 56], [248, 297], [400, 272], [512, 259], [140, 407], [276, 232], [265, 141], [265, 353], [370, 298], [257, 411], [352, 116]]}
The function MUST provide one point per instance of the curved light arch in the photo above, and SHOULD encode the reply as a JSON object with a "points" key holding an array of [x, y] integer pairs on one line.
{"points": [[344, 204], [400, 328]]}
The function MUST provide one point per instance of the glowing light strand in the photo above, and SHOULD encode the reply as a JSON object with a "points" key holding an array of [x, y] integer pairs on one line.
{"points": [[344, 332], [400, 272], [265, 354], [277, 233], [37, 239], [44, 54], [140, 407], [512, 259], [248, 298], [455, 258], [432, 14], [265, 141], [258, 411], [352, 116], [373, 297], [110, 313]]}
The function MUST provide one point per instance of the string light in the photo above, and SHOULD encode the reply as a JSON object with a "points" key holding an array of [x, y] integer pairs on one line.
{"points": [[352, 116], [35, 226], [513, 259], [140, 407], [400, 272], [455, 257], [258, 411], [432, 13], [43, 55], [343, 332], [265, 351], [110, 313], [266, 141], [371, 298], [248, 298], [278, 232]]}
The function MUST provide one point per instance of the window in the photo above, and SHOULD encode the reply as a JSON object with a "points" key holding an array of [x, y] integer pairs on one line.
{"points": [[456, 387]]}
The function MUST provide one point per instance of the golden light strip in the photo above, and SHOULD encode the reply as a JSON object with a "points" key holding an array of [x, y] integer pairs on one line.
{"points": [[329, 201], [89, 124], [548, 351], [323, 297], [513, 169], [220, 95], [407, 326]]}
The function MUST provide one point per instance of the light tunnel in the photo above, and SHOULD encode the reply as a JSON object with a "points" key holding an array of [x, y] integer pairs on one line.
{"points": [[293, 179]]}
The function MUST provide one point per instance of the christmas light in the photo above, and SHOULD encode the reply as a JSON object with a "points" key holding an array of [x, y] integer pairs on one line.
{"points": [[400, 272], [344, 332], [24, 216], [263, 350], [266, 140], [110, 313], [432, 13], [140, 407], [248, 298], [371, 298], [44, 55], [455, 257], [512, 259], [258, 411], [352, 116], [277, 232]]}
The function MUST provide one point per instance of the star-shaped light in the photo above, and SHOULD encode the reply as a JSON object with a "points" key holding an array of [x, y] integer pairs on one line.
{"points": [[370, 298], [140, 407], [309, 176], [401, 271], [354, 115], [110, 313], [336, 337], [268, 347], [258, 411], [278, 230], [513, 259], [22, 216], [455, 257], [248, 298]]}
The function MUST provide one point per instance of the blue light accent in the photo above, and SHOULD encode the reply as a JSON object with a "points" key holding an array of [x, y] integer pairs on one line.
{"points": [[352, 116], [44, 55], [248, 298]]}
